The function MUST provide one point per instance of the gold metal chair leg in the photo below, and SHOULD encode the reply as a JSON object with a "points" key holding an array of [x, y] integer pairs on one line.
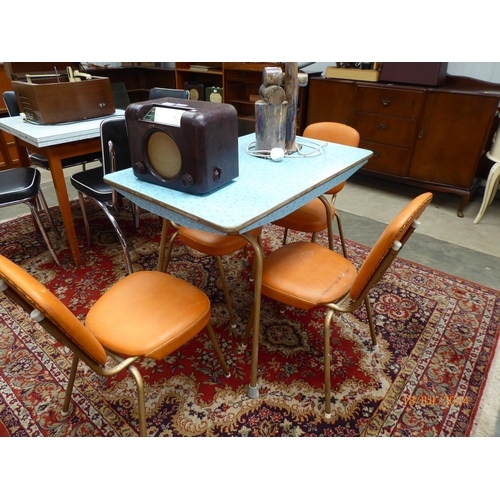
{"points": [[218, 351], [326, 335], [373, 333], [226, 292], [341, 234], [285, 234], [163, 260], [71, 383], [141, 406]]}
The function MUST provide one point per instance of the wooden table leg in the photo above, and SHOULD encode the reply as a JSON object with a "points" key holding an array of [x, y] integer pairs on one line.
{"points": [[59, 181]]}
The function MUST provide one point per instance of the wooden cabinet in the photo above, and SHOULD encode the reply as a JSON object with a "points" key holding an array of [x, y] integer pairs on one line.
{"points": [[240, 83], [433, 137], [138, 79], [241, 89], [330, 101], [198, 76], [8, 149], [386, 119]]}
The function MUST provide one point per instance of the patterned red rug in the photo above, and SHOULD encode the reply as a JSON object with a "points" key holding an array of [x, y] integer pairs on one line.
{"points": [[437, 338]]}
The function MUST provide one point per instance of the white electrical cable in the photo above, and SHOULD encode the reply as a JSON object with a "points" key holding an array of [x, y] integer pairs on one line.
{"points": [[277, 154]]}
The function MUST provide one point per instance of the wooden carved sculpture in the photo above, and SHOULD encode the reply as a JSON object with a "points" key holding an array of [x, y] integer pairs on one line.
{"points": [[276, 112]]}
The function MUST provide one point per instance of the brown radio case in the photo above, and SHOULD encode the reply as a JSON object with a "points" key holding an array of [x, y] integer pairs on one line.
{"points": [[185, 145], [46, 95]]}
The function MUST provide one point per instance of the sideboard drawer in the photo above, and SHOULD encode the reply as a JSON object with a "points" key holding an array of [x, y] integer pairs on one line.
{"points": [[387, 159], [387, 101], [385, 129]]}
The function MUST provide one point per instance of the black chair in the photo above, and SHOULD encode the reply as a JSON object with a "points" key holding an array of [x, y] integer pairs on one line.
{"points": [[38, 160], [120, 95], [116, 156], [22, 185], [159, 92]]}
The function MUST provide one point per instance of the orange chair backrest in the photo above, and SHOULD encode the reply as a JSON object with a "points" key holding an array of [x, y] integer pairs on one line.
{"points": [[395, 231], [333, 132], [51, 307]]}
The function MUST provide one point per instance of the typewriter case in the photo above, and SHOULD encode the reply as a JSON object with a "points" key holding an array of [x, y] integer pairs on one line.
{"points": [[45, 95], [185, 145]]}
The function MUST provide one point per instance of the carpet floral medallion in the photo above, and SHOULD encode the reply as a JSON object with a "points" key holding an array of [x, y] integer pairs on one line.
{"points": [[437, 336]]}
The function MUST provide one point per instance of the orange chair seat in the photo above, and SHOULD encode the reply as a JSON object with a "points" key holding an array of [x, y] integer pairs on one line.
{"points": [[310, 218], [337, 188], [134, 317], [300, 274], [214, 244]]}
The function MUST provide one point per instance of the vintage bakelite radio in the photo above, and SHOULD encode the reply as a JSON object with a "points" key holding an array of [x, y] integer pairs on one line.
{"points": [[50, 93], [189, 146]]}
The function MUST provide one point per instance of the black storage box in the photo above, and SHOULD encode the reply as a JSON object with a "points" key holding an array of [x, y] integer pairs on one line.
{"points": [[418, 73]]}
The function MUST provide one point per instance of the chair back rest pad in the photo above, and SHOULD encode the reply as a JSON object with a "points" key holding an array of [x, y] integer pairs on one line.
{"points": [[115, 130], [395, 231], [333, 132], [52, 308]]}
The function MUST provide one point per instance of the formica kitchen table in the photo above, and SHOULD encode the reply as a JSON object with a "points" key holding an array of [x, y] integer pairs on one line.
{"points": [[263, 192], [57, 142]]}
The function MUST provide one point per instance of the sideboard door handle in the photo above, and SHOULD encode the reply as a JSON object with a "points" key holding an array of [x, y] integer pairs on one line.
{"points": [[422, 133]]}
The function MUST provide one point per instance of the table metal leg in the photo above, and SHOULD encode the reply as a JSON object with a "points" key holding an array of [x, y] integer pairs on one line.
{"points": [[253, 389]]}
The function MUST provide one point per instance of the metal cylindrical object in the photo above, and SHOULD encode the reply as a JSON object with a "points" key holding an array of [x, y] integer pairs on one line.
{"points": [[270, 126]]}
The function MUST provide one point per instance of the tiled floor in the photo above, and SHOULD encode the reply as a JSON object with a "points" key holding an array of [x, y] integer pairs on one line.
{"points": [[443, 241]]}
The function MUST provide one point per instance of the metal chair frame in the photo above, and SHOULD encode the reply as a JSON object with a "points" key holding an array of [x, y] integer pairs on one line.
{"points": [[49, 320], [376, 271], [37, 204]]}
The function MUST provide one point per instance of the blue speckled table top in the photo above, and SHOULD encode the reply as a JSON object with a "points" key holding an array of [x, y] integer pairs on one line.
{"points": [[263, 192]]}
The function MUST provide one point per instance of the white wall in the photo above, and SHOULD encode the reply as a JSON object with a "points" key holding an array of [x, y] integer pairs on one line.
{"points": [[488, 71]]}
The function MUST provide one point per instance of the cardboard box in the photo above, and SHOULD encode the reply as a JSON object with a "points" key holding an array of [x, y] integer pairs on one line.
{"points": [[366, 75]]}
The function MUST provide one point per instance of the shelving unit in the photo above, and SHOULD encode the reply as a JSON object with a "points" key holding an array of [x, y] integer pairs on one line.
{"points": [[138, 79], [187, 73]]}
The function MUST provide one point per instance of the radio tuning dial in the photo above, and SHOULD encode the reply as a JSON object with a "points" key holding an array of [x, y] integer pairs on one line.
{"points": [[139, 167], [187, 180]]}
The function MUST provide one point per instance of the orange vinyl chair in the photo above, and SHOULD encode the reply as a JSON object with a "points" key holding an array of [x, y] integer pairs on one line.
{"points": [[305, 275], [147, 314], [216, 245], [312, 217]]}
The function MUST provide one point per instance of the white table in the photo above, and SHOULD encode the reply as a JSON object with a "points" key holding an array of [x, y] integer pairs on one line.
{"points": [[56, 143], [263, 192]]}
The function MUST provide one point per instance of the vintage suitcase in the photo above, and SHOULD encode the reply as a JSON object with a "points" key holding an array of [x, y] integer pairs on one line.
{"points": [[49, 93], [189, 146]]}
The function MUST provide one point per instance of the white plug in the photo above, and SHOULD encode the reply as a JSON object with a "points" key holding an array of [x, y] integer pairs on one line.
{"points": [[277, 154]]}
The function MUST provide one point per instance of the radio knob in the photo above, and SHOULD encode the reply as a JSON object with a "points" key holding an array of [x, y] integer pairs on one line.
{"points": [[187, 180], [139, 167], [217, 174]]}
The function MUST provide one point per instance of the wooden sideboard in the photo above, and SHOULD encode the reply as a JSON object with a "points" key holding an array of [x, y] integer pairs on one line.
{"points": [[432, 137]]}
